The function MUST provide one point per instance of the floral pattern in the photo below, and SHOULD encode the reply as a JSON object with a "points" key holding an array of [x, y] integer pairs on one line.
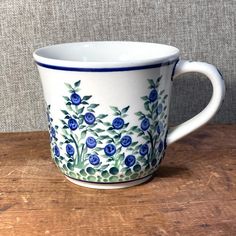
{"points": [[106, 148]]}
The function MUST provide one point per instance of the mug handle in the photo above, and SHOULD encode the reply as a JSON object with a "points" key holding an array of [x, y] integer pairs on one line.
{"points": [[213, 74]]}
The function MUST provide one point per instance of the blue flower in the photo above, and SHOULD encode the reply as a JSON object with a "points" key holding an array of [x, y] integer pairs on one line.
{"points": [[94, 159], [56, 151], [159, 109], [53, 132], [145, 124], [72, 123], [75, 98], [153, 95], [91, 142], [160, 127], [126, 141], [130, 160], [110, 149], [70, 149], [143, 150], [160, 146], [118, 123], [89, 118]]}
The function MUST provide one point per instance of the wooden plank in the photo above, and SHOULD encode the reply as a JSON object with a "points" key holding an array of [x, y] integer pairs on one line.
{"points": [[193, 192]]}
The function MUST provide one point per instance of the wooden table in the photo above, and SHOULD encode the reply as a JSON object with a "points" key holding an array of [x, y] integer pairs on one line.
{"points": [[193, 193]]}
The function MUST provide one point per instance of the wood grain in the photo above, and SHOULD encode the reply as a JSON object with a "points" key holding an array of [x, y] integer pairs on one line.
{"points": [[192, 193]]}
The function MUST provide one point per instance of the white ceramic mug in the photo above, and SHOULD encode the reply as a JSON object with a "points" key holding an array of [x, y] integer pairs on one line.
{"points": [[108, 107]]}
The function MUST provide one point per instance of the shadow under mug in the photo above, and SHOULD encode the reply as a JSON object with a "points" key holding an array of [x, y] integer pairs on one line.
{"points": [[108, 106]]}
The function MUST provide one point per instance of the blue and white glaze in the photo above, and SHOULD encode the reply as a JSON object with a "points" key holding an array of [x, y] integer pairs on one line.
{"points": [[108, 107], [98, 147]]}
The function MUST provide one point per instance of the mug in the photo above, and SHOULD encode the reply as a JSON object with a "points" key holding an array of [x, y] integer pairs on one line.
{"points": [[108, 107]]}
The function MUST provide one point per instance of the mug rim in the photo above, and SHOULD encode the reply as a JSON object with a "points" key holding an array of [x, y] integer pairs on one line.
{"points": [[146, 56]]}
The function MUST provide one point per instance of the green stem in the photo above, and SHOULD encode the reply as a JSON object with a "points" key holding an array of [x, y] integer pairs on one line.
{"points": [[152, 144], [82, 154], [77, 160]]}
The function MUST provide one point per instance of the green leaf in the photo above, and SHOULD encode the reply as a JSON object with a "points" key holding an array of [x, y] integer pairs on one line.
{"points": [[77, 89], [83, 134], [146, 137], [135, 129], [63, 122], [65, 112], [85, 98], [116, 110], [146, 105], [93, 105], [110, 140], [82, 126], [124, 115], [118, 149], [101, 116], [165, 97], [77, 84], [140, 158], [145, 98], [66, 98], [130, 132], [107, 123], [90, 109], [84, 102], [94, 133], [104, 137], [69, 107], [93, 125], [139, 113], [79, 111], [159, 79], [140, 133], [99, 121], [113, 132], [125, 109], [126, 125], [151, 82], [117, 136], [103, 167], [69, 86], [134, 144], [98, 130], [162, 91], [68, 103], [98, 149]]}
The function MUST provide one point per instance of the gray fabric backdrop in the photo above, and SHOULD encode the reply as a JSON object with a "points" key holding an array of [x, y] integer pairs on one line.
{"points": [[202, 30]]}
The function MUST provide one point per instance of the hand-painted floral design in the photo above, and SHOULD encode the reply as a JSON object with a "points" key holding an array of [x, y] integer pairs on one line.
{"points": [[97, 147], [153, 123]]}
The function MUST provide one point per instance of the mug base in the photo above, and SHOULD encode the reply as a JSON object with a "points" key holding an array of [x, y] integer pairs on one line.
{"points": [[109, 185]]}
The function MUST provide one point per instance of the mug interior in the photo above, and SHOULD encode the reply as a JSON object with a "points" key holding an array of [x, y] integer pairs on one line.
{"points": [[105, 53]]}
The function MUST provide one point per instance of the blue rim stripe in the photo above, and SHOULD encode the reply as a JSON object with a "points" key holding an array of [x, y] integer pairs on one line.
{"points": [[107, 69]]}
